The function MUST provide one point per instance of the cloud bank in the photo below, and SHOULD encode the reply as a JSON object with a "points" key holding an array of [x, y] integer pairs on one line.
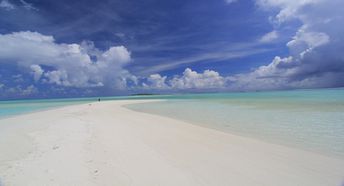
{"points": [[316, 59], [189, 80], [70, 65]]}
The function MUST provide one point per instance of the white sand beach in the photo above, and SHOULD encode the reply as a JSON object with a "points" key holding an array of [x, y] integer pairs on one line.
{"points": [[103, 143]]}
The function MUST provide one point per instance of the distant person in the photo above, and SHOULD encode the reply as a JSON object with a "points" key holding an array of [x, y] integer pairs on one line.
{"points": [[98, 99]]}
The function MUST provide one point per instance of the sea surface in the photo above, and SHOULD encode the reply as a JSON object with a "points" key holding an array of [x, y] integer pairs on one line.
{"points": [[312, 120], [16, 107], [307, 119]]}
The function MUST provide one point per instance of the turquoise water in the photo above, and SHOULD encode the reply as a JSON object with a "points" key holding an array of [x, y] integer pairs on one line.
{"points": [[11, 108], [308, 119], [16, 107]]}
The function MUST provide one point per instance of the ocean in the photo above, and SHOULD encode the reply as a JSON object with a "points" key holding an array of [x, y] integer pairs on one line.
{"points": [[312, 120], [16, 107]]}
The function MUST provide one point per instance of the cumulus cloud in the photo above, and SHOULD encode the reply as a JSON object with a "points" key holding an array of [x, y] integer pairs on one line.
{"points": [[315, 52], [190, 79], [288, 9], [193, 80], [156, 81], [7, 5], [28, 90], [316, 58], [304, 41], [71, 65], [37, 72], [19, 91]]}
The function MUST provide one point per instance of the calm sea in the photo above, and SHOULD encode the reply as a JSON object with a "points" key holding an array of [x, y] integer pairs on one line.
{"points": [[16, 107], [307, 119]]}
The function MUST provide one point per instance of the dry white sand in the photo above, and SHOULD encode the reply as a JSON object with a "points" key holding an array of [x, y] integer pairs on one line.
{"points": [[107, 144]]}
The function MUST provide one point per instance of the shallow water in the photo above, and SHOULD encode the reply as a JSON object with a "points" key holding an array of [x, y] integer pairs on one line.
{"points": [[308, 119], [16, 107], [11, 108]]}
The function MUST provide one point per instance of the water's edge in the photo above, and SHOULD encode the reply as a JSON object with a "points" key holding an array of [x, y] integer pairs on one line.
{"points": [[312, 121]]}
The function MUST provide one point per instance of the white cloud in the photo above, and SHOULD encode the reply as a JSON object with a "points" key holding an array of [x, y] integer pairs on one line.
{"points": [[156, 81], [193, 80], [289, 9], [29, 90], [60, 77], [37, 72], [5, 4], [269, 37], [20, 91], [188, 80], [66, 64], [316, 58], [304, 41]]}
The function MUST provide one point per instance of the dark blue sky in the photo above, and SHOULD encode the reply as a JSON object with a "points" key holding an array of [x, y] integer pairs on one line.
{"points": [[161, 37]]}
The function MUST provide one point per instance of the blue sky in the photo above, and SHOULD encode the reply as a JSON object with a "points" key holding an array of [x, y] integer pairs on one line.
{"points": [[98, 48]]}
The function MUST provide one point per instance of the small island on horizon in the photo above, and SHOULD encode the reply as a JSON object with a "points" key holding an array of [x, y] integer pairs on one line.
{"points": [[144, 94]]}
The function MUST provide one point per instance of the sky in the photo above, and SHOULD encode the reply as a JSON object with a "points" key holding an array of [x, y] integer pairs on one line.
{"points": [[63, 48]]}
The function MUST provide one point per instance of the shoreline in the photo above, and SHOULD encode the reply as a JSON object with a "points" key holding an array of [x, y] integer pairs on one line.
{"points": [[42, 110], [104, 143], [244, 135]]}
